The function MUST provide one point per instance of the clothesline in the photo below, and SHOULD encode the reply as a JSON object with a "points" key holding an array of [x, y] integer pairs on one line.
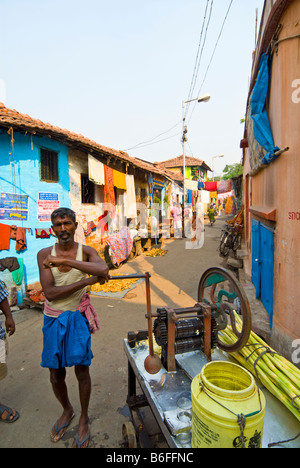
{"points": [[8, 233]]}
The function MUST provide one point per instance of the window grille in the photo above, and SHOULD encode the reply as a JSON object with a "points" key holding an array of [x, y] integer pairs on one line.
{"points": [[87, 190], [49, 166]]}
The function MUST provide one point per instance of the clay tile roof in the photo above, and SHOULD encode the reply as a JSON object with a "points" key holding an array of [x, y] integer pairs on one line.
{"points": [[23, 122], [189, 162]]}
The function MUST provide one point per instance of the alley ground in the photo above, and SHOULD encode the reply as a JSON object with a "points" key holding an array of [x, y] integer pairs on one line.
{"points": [[174, 282]]}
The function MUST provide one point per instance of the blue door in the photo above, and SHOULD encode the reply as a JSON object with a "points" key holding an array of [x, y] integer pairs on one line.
{"points": [[256, 262], [263, 264]]}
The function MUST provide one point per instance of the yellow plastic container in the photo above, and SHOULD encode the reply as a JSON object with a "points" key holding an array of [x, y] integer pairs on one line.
{"points": [[223, 395]]}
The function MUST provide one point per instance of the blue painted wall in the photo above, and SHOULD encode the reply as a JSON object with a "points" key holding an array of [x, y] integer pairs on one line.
{"points": [[26, 180]]}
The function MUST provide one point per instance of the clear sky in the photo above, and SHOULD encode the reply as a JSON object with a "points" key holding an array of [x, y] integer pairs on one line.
{"points": [[118, 71]]}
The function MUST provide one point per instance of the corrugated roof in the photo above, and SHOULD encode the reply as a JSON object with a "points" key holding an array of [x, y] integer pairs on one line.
{"points": [[23, 122]]}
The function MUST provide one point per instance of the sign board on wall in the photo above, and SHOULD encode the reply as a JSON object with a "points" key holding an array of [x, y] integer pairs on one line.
{"points": [[47, 203], [13, 207]]}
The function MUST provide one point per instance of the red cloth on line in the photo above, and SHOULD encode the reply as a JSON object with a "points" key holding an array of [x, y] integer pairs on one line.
{"points": [[211, 186], [109, 188], [4, 236]]}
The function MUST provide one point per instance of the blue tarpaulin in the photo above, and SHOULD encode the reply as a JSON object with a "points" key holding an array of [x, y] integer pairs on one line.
{"points": [[262, 129]]}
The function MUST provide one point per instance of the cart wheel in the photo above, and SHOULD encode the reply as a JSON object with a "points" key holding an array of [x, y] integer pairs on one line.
{"points": [[129, 436]]}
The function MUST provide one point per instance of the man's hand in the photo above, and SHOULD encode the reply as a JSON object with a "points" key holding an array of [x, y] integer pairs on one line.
{"points": [[51, 262], [91, 280], [10, 326]]}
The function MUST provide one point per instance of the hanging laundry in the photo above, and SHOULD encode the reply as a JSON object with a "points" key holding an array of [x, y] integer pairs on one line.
{"points": [[79, 235], [13, 232], [229, 205], [88, 229], [103, 223], [10, 263], [109, 188], [130, 199], [121, 245], [201, 185], [191, 184], [224, 186], [21, 242], [211, 186], [4, 236], [158, 183], [150, 183], [224, 196], [17, 275], [189, 197], [43, 233], [96, 171], [119, 180], [204, 196]]}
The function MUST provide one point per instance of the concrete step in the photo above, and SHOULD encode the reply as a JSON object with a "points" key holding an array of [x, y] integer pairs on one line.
{"points": [[235, 263], [242, 253]]}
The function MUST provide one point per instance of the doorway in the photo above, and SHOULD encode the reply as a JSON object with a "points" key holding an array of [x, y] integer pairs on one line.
{"points": [[263, 264]]}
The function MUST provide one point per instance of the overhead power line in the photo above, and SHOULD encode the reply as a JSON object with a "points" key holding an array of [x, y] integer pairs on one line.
{"points": [[152, 141], [200, 51], [199, 55], [214, 51]]}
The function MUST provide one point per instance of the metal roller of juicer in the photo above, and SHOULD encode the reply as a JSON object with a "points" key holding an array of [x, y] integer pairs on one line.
{"points": [[180, 331]]}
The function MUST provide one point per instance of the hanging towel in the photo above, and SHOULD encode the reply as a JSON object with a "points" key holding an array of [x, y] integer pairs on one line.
{"points": [[96, 171], [130, 200], [4, 236], [119, 180], [109, 189]]}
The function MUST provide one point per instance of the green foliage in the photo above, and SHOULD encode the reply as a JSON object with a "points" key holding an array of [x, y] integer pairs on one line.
{"points": [[232, 170]]}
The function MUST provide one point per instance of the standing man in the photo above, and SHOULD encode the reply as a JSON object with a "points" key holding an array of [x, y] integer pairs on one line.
{"points": [[7, 415], [66, 269]]}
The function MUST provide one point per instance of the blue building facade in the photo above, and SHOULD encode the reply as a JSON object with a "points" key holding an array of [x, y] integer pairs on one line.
{"points": [[30, 187]]}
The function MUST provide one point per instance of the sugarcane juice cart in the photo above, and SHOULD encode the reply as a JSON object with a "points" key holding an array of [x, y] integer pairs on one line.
{"points": [[166, 359]]}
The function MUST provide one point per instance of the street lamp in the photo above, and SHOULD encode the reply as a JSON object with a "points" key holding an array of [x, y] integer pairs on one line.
{"points": [[204, 98], [213, 163]]}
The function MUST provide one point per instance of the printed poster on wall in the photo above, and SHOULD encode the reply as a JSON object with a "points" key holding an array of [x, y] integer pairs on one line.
{"points": [[47, 203], [13, 207]]}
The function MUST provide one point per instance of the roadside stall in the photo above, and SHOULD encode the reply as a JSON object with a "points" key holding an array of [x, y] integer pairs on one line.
{"points": [[201, 371]]}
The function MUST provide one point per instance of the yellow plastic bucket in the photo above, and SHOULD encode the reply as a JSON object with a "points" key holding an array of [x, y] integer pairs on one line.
{"points": [[228, 409]]}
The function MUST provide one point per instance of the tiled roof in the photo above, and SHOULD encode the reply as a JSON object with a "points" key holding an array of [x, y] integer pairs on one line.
{"points": [[23, 122], [189, 162]]}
